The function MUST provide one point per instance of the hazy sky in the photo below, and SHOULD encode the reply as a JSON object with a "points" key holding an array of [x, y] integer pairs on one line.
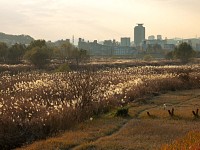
{"points": [[99, 19]]}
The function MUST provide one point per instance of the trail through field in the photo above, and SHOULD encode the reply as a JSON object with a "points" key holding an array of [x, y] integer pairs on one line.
{"points": [[101, 137], [137, 132], [181, 98]]}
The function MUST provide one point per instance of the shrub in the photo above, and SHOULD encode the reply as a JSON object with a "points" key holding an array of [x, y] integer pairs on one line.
{"points": [[122, 112], [38, 56], [148, 58], [63, 68], [184, 52]]}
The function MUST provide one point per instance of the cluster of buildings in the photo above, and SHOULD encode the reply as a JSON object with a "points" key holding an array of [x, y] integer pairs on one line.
{"points": [[127, 48], [108, 47], [165, 44]]}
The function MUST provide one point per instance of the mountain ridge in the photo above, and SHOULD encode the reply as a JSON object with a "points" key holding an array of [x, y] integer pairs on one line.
{"points": [[10, 39]]}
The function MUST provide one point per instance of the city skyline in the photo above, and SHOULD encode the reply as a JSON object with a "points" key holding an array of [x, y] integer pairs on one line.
{"points": [[100, 20]]}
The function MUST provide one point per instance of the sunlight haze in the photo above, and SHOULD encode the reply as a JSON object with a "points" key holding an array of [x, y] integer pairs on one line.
{"points": [[99, 19]]}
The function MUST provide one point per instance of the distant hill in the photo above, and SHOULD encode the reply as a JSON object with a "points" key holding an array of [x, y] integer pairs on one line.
{"points": [[12, 39]]}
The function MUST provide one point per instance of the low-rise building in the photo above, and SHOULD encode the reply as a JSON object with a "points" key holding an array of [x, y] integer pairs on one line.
{"points": [[125, 41]]}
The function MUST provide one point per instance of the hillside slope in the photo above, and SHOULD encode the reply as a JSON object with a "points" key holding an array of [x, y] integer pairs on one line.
{"points": [[12, 39]]}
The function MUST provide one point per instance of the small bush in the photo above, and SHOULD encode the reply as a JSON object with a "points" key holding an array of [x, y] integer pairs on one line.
{"points": [[148, 58], [63, 68], [122, 112]]}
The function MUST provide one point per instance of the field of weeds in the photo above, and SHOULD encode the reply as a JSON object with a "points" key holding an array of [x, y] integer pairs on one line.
{"points": [[138, 131], [37, 105]]}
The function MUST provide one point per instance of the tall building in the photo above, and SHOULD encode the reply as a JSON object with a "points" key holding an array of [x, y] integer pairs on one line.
{"points": [[139, 34], [125, 41]]}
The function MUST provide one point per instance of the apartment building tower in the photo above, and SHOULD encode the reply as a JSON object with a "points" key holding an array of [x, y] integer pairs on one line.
{"points": [[139, 34]]}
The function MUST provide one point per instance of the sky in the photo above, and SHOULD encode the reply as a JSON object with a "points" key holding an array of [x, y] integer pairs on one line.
{"points": [[99, 19]]}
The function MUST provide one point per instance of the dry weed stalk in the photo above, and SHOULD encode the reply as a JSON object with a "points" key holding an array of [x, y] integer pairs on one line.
{"points": [[171, 112], [196, 114]]}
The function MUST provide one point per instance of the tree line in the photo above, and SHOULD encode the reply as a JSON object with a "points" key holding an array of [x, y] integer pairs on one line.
{"points": [[39, 53]]}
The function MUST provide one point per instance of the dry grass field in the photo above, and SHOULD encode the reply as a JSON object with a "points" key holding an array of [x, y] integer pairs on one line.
{"points": [[139, 131], [190, 141]]}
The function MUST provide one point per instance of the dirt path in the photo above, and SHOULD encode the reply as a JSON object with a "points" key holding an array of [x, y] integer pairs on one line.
{"points": [[102, 137]]}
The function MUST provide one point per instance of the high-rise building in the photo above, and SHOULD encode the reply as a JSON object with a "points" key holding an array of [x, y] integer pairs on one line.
{"points": [[125, 41], [139, 34]]}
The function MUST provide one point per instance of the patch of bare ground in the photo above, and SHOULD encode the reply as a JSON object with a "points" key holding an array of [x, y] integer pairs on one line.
{"points": [[140, 131]]}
